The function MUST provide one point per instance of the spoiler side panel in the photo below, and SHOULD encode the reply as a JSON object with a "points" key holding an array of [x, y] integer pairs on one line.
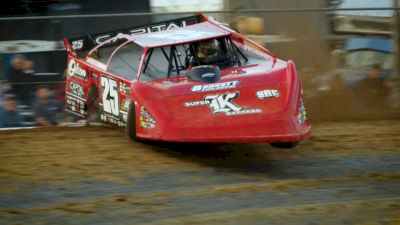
{"points": [[79, 80], [70, 49]]}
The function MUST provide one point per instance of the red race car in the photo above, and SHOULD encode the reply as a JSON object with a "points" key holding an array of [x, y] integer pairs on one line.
{"points": [[186, 80]]}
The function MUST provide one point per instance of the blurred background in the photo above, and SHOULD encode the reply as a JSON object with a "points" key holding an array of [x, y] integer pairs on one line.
{"points": [[346, 51]]}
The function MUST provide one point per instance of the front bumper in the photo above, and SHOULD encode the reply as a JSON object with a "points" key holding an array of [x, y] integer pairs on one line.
{"points": [[276, 130]]}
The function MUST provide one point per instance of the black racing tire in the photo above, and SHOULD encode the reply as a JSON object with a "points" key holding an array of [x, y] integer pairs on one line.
{"points": [[131, 122], [284, 144]]}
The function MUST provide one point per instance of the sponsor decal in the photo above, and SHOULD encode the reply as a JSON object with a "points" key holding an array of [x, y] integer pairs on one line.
{"points": [[76, 89], [208, 75], [215, 86], [96, 39], [75, 105], [78, 44], [75, 70], [144, 30], [124, 88], [223, 103], [124, 119], [269, 93], [125, 105], [302, 117], [195, 103], [110, 108], [113, 120], [146, 120], [110, 98]]}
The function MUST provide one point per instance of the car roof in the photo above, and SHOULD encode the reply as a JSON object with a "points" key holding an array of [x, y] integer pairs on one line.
{"points": [[196, 32]]}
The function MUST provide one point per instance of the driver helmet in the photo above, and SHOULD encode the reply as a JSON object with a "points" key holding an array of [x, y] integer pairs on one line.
{"points": [[208, 49]]}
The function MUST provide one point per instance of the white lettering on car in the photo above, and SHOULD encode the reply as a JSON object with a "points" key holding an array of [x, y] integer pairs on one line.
{"points": [[152, 29], [269, 93], [223, 103], [216, 86], [78, 44], [110, 96], [76, 89], [75, 70]]}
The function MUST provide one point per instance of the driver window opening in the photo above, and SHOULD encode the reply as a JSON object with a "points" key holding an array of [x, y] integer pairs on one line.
{"points": [[171, 61], [125, 61]]}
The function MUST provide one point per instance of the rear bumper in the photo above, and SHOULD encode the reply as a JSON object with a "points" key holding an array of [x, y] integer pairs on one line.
{"points": [[278, 130]]}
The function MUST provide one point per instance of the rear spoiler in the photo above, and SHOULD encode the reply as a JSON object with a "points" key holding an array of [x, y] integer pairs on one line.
{"points": [[89, 41]]}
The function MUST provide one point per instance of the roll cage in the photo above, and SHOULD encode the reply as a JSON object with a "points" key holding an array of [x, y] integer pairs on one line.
{"points": [[183, 56]]}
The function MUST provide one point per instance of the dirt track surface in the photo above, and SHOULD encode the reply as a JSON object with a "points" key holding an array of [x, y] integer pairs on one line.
{"points": [[347, 173]]}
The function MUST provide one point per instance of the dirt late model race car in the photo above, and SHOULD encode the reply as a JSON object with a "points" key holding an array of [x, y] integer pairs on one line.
{"points": [[186, 80]]}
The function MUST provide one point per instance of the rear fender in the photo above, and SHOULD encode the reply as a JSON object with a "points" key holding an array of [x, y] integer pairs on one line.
{"points": [[295, 101], [293, 88]]}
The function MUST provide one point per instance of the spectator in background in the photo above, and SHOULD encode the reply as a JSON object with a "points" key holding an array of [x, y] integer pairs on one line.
{"points": [[46, 110], [60, 97], [28, 67], [394, 98], [4, 88], [20, 78], [333, 101], [10, 116], [60, 89], [372, 92]]}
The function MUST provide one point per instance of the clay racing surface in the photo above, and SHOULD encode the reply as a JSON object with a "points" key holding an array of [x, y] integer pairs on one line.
{"points": [[347, 173]]}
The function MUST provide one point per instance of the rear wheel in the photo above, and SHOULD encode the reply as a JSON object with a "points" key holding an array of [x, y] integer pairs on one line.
{"points": [[131, 122], [284, 144]]}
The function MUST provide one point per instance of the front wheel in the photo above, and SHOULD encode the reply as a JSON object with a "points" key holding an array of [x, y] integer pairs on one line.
{"points": [[131, 122], [284, 144]]}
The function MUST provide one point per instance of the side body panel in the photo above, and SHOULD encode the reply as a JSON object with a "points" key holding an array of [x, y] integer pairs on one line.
{"points": [[90, 90], [114, 99]]}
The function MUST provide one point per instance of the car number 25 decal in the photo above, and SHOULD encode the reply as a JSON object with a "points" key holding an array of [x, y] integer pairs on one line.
{"points": [[110, 96]]}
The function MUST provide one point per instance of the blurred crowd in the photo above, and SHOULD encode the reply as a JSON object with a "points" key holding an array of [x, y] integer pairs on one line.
{"points": [[26, 102], [376, 96]]}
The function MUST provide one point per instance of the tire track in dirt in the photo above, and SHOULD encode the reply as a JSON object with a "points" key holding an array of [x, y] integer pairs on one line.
{"points": [[347, 173], [351, 212]]}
